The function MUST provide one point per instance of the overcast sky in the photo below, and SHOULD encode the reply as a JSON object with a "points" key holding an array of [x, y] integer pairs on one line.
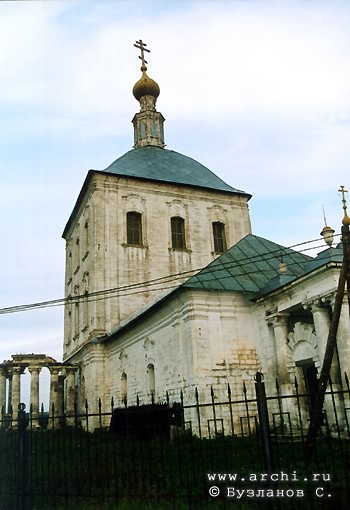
{"points": [[256, 90]]}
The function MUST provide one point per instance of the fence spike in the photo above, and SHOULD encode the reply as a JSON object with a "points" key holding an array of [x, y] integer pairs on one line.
{"points": [[167, 397], [296, 383], [244, 388], [42, 408], [347, 380], [228, 389], [137, 400], [112, 403], [181, 398], [99, 404], [86, 405], [211, 392]]}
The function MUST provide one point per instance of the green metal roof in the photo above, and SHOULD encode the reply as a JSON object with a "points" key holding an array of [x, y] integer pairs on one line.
{"points": [[250, 266], [154, 163]]}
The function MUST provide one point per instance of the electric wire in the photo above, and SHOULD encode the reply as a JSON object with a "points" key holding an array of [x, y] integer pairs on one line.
{"points": [[153, 284]]}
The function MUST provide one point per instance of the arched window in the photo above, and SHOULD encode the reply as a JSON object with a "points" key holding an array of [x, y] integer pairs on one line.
{"points": [[151, 379], [124, 387], [219, 237], [178, 233], [134, 228]]}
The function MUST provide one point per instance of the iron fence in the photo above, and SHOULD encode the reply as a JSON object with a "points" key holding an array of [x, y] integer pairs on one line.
{"points": [[220, 453]]}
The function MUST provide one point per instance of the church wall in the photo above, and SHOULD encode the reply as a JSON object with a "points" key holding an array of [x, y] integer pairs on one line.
{"points": [[162, 340], [99, 258], [195, 339]]}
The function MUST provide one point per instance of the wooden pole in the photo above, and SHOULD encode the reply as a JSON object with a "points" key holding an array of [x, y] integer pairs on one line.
{"points": [[344, 277]]}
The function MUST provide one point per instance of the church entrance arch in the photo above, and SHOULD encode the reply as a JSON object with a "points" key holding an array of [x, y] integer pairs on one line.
{"points": [[304, 361]]}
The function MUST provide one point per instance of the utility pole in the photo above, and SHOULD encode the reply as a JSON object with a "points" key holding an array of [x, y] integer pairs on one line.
{"points": [[344, 277], [346, 243]]}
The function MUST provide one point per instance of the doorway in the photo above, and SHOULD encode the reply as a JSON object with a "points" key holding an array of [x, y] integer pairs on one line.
{"points": [[310, 380]]}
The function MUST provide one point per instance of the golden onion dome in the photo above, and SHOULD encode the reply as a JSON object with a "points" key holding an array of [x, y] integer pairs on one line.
{"points": [[145, 87]]}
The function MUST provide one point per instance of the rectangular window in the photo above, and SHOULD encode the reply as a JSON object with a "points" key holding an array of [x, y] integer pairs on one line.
{"points": [[134, 228], [86, 239], [178, 233], [219, 237], [76, 254]]}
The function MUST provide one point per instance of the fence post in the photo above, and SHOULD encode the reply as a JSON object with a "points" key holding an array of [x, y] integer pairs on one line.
{"points": [[264, 427], [21, 456], [265, 434]]}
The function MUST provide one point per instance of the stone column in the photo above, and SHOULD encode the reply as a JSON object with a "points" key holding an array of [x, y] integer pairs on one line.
{"points": [[9, 393], [3, 376], [322, 321], [280, 329], [343, 340], [55, 409], [54, 371], [60, 395], [70, 399], [34, 394], [16, 392]]}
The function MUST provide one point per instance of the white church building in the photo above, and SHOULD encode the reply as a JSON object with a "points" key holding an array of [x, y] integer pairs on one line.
{"points": [[167, 288]]}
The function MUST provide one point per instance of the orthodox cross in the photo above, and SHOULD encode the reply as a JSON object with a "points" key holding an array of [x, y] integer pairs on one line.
{"points": [[142, 46], [342, 190]]}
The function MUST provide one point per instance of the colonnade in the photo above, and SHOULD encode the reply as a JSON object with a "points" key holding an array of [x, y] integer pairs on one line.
{"points": [[62, 385], [284, 364], [319, 309]]}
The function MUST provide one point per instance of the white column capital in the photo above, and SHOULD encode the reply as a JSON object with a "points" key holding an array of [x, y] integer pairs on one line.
{"points": [[329, 298], [278, 319], [16, 369], [3, 370], [55, 369], [34, 369], [319, 302]]}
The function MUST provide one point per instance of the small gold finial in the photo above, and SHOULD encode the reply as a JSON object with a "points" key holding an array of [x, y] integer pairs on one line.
{"points": [[346, 219], [142, 46]]}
